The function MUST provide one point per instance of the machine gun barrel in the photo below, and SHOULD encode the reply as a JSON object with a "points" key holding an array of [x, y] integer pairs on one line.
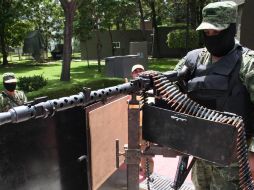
{"points": [[48, 108]]}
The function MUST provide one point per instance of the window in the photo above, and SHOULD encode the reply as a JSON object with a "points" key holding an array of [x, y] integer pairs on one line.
{"points": [[116, 45]]}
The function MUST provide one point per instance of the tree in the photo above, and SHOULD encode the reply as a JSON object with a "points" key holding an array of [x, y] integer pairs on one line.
{"points": [[14, 23], [84, 26], [177, 11], [122, 12], [155, 50], [69, 7], [16, 32], [47, 17], [101, 15], [125, 14], [9, 11], [142, 20]]}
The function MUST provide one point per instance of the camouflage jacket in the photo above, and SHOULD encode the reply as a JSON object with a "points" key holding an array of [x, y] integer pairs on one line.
{"points": [[6, 102]]}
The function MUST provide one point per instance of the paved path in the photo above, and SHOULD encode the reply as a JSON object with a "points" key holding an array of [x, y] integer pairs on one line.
{"points": [[165, 167]]}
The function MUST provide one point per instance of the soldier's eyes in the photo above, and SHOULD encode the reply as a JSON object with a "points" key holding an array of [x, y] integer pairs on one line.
{"points": [[211, 32]]}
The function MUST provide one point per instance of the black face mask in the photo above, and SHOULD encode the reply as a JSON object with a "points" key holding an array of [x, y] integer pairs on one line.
{"points": [[219, 45], [10, 86]]}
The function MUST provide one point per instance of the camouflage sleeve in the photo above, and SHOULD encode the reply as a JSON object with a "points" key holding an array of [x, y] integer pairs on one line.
{"points": [[180, 64], [247, 72], [247, 76], [24, 98], [1, 103], [20, 97]]}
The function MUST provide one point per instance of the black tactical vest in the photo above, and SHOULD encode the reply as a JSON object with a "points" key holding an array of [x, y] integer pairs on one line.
{"points": [[218, 86]]}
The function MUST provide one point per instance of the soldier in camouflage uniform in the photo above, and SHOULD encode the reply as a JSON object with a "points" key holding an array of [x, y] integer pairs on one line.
{"points": [[221, 77], [10, 97]]}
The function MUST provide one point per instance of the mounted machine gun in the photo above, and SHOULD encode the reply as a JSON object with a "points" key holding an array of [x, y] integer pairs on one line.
{"points": [[174, 121]]}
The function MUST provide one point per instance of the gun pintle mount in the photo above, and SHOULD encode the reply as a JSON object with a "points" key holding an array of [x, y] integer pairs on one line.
{"points": [[188, 125]]}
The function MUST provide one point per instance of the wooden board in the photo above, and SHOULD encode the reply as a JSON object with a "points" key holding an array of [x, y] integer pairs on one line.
{"points": [[107, 123]]}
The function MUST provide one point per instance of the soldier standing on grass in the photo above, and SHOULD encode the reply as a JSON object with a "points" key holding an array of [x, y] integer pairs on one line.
{"points": [[11, 97], [221, 77]]}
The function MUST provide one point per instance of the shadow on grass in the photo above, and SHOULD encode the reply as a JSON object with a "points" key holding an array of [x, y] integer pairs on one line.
{"points": [[85, 72], [162, 64], [71, 88], [81, 76], [26, 66], [17, 68]]}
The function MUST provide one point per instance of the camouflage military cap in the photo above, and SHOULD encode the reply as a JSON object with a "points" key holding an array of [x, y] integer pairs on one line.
{"points": [[9, 78], [219, 15]]}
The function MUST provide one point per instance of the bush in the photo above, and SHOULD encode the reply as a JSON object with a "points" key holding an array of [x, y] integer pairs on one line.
{"points": [[29, 84], [71, 88], [177, 39]]}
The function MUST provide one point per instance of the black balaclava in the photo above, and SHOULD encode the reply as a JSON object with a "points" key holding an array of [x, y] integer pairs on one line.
{"points": [[219, 45], [10, 86]]}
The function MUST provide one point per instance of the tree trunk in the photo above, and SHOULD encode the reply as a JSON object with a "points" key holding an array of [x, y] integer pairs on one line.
{"points": [[123, 25], [111, 41], [99, 46], [199, 19], [199, 14], [193, 14], [156, 48], [142, 22], [3, 44], [19, 54], [187, 25], [87, 57], [117, 25], [69, 11], [46, 46]]}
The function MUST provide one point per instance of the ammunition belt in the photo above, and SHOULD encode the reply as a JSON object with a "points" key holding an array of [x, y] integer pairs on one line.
{"points": [[180, 102]]}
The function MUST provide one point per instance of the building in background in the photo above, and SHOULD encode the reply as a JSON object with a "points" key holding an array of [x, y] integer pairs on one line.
{"points": [[240, 4], [121, 43], [122, 39], [245, 22]]}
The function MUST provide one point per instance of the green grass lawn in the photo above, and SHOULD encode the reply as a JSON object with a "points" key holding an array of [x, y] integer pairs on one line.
{"points": [[162, 64], [81, 75]]}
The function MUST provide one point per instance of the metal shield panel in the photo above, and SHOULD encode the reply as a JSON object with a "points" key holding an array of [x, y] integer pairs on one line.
{"points": [[201, 138], [107, 123], [43, 154]]}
